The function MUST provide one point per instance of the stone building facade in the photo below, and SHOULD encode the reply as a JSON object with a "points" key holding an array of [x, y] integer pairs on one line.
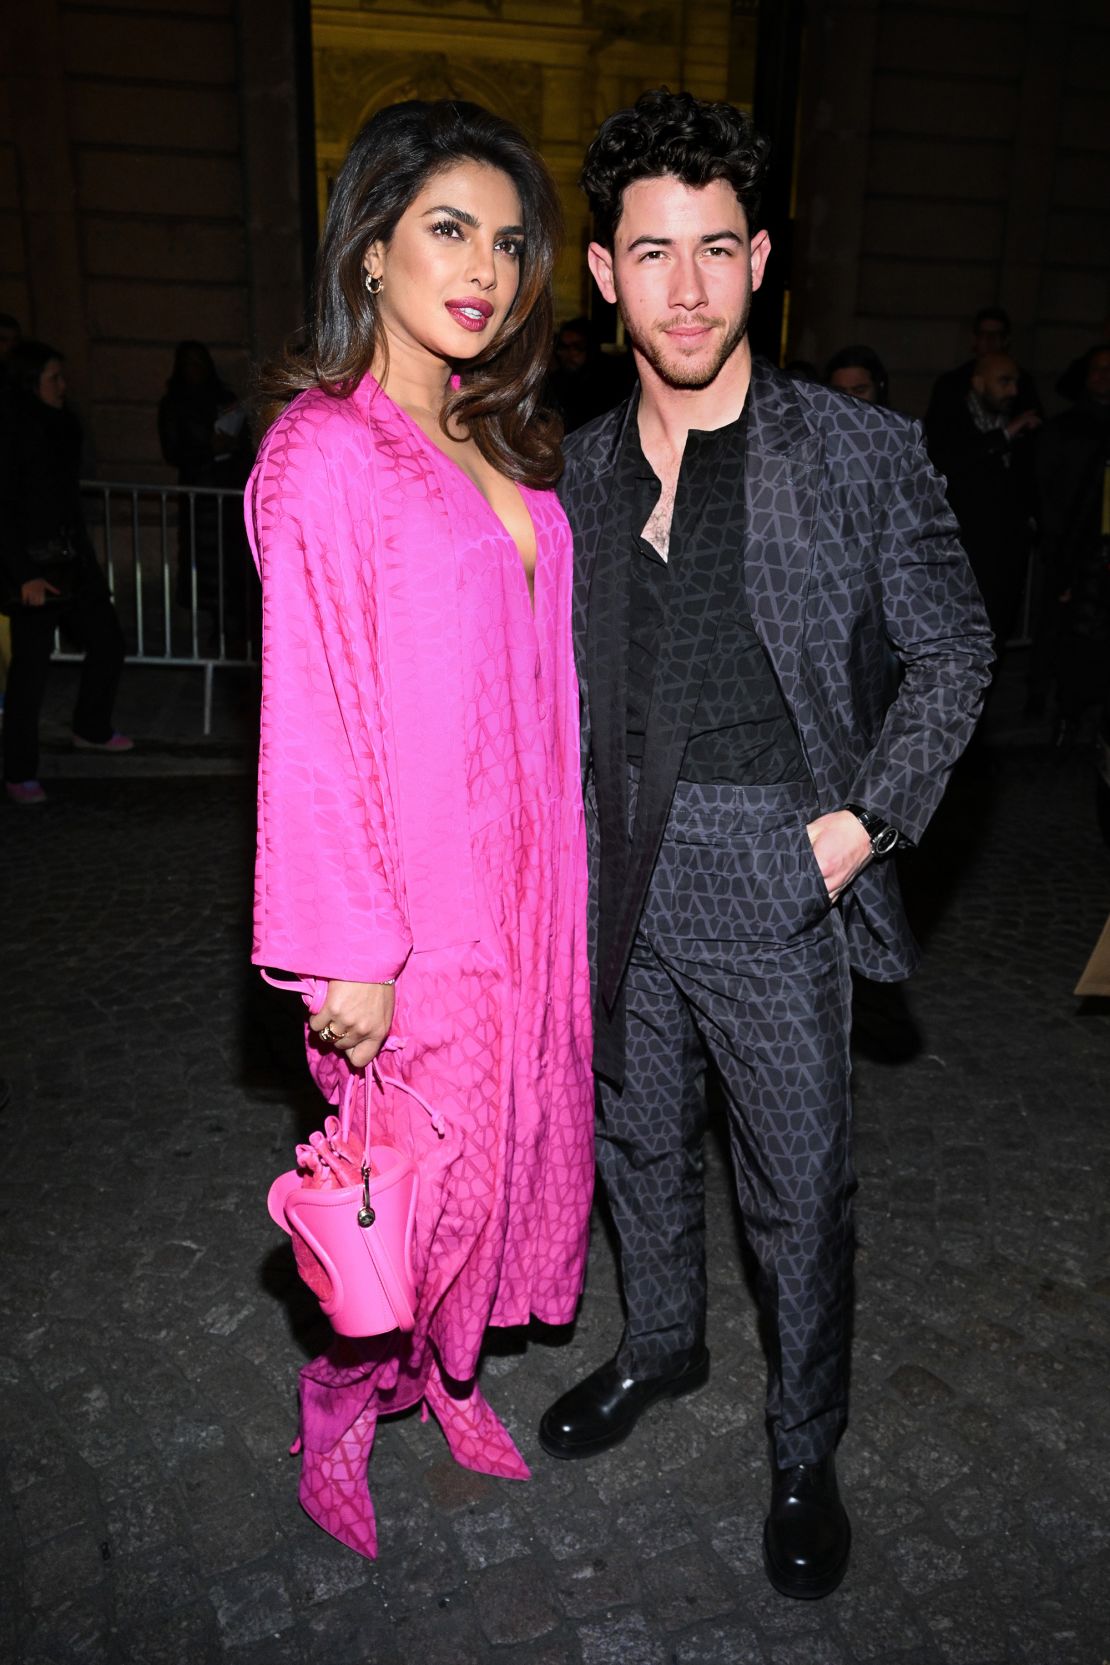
{"points": [[149, 192], [159, 162], [555, 67], [953, 155]]}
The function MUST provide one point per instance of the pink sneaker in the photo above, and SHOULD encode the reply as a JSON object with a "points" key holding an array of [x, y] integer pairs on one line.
{"points": [[118, 743], [25, 792]]}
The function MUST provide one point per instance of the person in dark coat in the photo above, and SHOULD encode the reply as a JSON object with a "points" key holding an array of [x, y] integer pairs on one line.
{"points": [[990, 333], [51, 576], [983, 447], [1074, 493], [203, 434]]}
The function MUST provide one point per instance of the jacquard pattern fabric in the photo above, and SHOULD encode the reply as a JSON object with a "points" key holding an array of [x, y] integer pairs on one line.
{"points": [[332, 1489], [476, 1437], [419, 739], [738, 961], [865, 604], [715, 938], [739, 729]]}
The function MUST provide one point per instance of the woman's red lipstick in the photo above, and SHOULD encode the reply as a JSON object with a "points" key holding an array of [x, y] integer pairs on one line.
{"points": [[470, 313]]}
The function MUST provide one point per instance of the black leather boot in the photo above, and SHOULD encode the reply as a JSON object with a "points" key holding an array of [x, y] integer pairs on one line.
{"points": [[807, 1535], [606, 1406]]}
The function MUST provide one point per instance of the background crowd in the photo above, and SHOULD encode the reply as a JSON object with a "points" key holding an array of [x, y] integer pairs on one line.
{"points": [[1031, 494]]}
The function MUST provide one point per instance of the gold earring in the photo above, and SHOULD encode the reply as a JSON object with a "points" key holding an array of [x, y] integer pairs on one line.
{"points": [[374, 285]]}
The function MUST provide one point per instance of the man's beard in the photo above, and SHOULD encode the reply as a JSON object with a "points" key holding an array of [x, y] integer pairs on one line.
{"points": [[688, 374]]}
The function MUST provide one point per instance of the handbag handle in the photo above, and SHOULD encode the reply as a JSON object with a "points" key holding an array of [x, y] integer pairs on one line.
{"points": [[383, 1081], [366, 1214]]}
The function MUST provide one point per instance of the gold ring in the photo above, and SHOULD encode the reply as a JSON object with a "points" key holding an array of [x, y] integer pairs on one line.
{"points": [[328, 1034]]}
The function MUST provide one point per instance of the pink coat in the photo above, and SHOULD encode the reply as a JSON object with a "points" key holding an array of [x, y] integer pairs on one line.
{"points": [[420, 817]]}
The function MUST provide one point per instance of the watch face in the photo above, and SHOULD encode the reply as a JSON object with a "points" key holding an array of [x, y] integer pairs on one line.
{"points": [[885, 841]]}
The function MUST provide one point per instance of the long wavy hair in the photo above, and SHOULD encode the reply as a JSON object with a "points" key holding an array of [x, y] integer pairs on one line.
{"points": [[499, 397]]}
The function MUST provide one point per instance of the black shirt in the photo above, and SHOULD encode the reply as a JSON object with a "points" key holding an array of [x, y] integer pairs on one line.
{"points": [[741, 733]]}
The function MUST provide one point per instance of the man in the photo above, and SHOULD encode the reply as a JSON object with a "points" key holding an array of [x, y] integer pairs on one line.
{"points": [[990, 333], [859, 371], [754, 556], [984, 451]]}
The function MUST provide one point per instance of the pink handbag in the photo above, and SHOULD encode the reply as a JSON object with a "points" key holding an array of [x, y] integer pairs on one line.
{"points": [[351, 1215]]}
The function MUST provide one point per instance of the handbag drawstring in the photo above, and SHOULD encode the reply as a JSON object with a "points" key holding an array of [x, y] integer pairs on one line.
{"points": [[321, 1152]]}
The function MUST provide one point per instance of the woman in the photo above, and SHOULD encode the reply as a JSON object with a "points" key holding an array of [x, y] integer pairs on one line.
{"points": [[420, 821], [51, 574]]}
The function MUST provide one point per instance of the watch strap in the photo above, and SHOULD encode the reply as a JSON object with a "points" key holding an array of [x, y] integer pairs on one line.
{"points": [[884, 838]]}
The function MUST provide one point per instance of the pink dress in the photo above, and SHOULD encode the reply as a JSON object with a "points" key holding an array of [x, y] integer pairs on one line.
{"points": [[420, 817]]}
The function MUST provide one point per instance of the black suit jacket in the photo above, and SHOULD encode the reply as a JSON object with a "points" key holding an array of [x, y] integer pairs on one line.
{"points": [[865, 604]]}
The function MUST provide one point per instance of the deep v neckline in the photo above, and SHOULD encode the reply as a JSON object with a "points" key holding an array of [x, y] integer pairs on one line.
{"points": [[456, 468]]}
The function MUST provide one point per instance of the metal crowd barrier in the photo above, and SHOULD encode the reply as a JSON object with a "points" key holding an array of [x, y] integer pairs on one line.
{"points": [[181, 575], [208, 615]]}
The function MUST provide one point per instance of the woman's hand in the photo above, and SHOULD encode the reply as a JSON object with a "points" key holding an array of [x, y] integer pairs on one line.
{"points": [[35, 592], [355, 1018]]}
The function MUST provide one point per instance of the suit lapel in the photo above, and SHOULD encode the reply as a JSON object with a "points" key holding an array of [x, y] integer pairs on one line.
{"points": [[782, 477], [606, 668], [772, 535], [702, 581]]}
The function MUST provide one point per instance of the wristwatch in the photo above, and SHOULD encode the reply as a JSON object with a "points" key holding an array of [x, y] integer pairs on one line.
{"points": [[884, 838]]}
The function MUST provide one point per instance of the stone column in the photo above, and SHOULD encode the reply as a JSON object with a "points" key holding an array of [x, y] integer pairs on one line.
{"points": [[40, 128], [837, 77], [268, 80], [1033, 165]]}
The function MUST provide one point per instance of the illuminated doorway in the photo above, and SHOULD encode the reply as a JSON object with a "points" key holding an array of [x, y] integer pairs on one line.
{"points": [[556, 79]]}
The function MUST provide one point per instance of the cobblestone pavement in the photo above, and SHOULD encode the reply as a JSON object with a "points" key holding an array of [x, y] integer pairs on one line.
{"points": [[151, 1323]]}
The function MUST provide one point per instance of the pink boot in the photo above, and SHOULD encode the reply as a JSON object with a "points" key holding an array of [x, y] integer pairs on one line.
{"points": [[475, 1434], [333, 1490]]}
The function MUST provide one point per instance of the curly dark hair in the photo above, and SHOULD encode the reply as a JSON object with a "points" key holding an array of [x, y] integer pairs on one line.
{"points": [[500, 396], [675, 134]]}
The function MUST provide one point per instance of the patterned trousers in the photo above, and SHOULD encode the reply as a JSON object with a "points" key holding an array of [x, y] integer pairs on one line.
{"points": [[738, 960]]}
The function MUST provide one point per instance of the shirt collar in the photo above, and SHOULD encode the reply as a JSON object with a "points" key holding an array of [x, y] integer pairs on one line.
{"points": [[704, 446]]}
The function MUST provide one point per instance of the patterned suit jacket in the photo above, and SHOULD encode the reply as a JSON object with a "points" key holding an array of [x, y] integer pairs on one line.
{"points": [[864, 601]]}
